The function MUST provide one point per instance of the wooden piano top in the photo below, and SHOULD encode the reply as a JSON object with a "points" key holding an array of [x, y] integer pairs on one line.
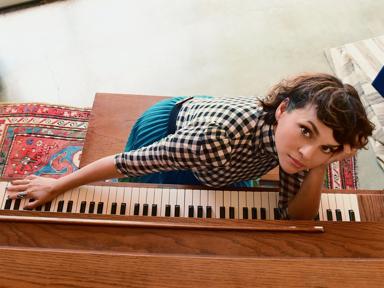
{"points": [[104, 254], [64, 249]]}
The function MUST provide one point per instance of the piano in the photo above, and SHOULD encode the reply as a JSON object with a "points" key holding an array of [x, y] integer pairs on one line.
{"points": [[131, 234], [143, 235]]}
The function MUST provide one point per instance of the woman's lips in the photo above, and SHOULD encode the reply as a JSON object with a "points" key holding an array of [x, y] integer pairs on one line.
{"points": [[296, 163]]}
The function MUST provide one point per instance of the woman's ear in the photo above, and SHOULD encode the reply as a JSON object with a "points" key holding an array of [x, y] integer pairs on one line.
{"points": [[281, 109]]}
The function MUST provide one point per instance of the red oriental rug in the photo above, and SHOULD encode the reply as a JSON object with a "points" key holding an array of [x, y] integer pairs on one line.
{"points": [[41, 139], [342, 175]]}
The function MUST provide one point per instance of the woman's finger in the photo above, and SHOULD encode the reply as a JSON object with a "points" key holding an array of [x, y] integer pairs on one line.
{"points": [[17, 188], [20, 181], [18, 195]]}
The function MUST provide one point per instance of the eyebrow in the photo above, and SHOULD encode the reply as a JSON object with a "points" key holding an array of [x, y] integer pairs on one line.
{"points": [[314, 128]]}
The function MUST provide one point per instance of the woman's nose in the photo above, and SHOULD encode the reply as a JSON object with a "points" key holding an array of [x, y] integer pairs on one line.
{"points": [[307, 151]]}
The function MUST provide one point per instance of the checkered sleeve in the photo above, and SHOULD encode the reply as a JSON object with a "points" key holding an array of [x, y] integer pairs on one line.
{"points": [[289, 185], [192, 147]]}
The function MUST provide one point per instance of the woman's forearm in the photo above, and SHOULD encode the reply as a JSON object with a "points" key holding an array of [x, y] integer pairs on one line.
{"points": [[101, 169], [305, 205]]}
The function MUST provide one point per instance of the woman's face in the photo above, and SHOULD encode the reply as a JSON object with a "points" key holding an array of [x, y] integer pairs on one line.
{"points": [[302, 140]]}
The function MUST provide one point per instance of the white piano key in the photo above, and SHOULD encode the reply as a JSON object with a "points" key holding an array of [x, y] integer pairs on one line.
{"points": [[180, 200], [97, 197], [324, 205], [158, 200], [66, 198], [135, 199], [227, 202], [59, 198], [142, 200], [219, 202], [265, 204], [257, 203], [188, 201], [347, 206], [242, 204], [249, 196], [272, 198], [82, 197], [355, 206], [126, 196], [204, 201], [340, 204], [112, 199], [212, 202], [151, 199], [105, 199], [195, 201], [165, 196], [235, 202], [3, 194], [321, 217], [89, 198], [173, 200], [332, 205]]}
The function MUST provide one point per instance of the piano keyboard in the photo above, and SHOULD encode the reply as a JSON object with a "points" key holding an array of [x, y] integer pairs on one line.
{"points": [[171, 202]]}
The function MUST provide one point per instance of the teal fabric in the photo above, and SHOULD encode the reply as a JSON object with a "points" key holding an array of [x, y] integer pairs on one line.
{"points": [[151, 127]]}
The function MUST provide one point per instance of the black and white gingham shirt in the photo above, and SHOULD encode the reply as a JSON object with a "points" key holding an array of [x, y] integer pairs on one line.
{"points": [[221, 140]]}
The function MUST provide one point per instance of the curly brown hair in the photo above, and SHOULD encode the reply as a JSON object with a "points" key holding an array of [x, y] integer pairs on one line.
{"points": [[338, 105]]}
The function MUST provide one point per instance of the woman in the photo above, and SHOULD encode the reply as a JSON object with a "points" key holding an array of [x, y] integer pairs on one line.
{"points": [[306, 123]]}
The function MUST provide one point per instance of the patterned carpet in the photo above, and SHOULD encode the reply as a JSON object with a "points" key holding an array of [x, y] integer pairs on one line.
{"points": [[358, 64], [41, 139]]}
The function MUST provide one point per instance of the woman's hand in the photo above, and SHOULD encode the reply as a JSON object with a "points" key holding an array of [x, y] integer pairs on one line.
{"points": [[347, 152], [40, 189]]}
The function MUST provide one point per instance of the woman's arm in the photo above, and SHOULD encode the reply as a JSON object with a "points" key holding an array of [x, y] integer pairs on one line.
{"points": [[43, 189], [305, 204]]}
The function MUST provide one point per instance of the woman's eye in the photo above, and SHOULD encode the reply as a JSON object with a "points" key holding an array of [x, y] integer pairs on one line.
{"points": [[305, 131], [327, 149]]}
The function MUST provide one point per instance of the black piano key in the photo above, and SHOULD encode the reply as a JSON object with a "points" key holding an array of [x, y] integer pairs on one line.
{"points": [[69, 206], [263, 213], [254, 212], [231, 213], [100, 207], [145, 209], [245, 212], [351, 215], [200, 211], [329, 215], [209, 212], [154, 210], [83, 204], [177, 210], [16, 206], [47, 206], [136, 209], [317, 218], [60, 206], [276, 214], [123, 208], [222, 212], [190, 211], [91, 207], [167, 210], [113, 208], [8, 204], [338, 215]]}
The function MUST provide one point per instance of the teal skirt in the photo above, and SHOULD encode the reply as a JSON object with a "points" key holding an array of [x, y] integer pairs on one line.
{"points": [[151, 127]]}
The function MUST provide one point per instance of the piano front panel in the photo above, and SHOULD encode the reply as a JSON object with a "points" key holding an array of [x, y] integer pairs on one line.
{"points": [[193, 203]]}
